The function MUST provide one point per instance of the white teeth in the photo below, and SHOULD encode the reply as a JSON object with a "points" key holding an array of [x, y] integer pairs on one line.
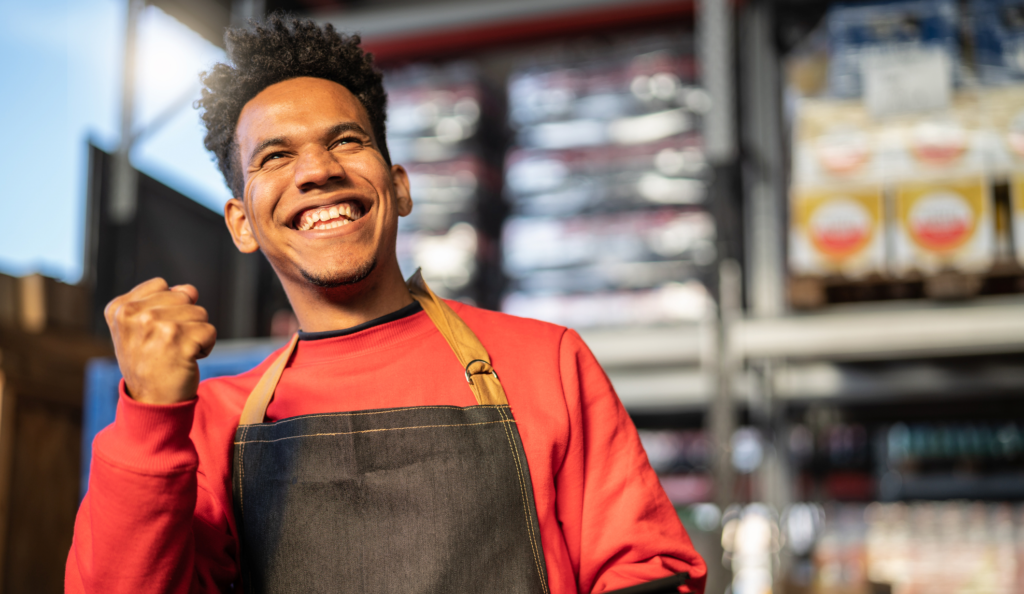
{"points": [[347, 211]]}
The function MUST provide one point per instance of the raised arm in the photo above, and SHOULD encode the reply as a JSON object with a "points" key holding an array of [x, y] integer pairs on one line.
{"points": [[146, 523]]}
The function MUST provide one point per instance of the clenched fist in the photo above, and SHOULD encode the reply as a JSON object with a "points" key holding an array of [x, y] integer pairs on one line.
{"points": [[159, 333]]}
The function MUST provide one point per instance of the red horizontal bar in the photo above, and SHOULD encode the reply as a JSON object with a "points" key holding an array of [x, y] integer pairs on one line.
{"points": [[449, 42]]}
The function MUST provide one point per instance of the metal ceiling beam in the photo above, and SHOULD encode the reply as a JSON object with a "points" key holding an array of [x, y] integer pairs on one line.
{"points": [[460, 14]]}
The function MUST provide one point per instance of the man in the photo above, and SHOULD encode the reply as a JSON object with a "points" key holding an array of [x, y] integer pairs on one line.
{"points": [[400, 443]]}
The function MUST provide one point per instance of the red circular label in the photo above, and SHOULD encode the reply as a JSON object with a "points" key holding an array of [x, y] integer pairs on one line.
{"points": [[941, 221], [840, 227]]}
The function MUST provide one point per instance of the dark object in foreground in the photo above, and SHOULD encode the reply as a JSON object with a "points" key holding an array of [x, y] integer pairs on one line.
{"points": [[669, 585]]}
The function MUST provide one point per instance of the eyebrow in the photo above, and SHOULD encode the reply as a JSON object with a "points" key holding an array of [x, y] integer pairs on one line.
{"points": [[281, 141]]}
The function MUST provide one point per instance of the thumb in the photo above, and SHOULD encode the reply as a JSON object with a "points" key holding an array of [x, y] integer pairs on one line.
{"points": [[189, 290]]}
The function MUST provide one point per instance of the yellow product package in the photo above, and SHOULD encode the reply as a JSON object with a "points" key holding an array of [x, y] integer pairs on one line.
{"points": [[837, 230], [834, 141], [1006, 106], [943, 224], [1017, 213]]}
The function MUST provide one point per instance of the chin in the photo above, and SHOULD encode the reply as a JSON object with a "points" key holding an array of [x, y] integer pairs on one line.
{"points": [[333, 279]]}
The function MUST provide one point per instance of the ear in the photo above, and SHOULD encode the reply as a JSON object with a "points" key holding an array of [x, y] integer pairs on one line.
{"points": [[237, 221], [403, 197]]}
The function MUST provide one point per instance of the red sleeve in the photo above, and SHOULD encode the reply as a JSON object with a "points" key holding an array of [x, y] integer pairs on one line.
{"points": [[146, 523], [626, 530]]}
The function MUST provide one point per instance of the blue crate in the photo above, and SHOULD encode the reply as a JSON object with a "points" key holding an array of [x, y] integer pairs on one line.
{"points": [[102, 377]]}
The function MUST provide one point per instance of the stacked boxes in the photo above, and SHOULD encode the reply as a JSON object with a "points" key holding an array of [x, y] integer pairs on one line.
{"points": [[606, 184], [891, 184], [1006, 108]]}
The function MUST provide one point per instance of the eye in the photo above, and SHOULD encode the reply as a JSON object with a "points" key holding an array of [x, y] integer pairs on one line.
{"points": [[347, 140], [272, 157]]}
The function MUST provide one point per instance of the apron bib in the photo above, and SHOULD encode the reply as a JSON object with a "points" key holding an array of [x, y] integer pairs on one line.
{"points": [[413, 500]]}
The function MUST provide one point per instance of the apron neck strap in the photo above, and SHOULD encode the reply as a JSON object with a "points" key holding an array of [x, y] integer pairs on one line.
{"points": [[472, 356]]}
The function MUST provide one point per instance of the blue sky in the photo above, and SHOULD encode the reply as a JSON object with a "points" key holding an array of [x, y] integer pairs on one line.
{"points": [[60, 67]]}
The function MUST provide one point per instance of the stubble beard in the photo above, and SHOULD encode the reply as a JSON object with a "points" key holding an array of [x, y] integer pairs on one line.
{"points": [[324, 281]]}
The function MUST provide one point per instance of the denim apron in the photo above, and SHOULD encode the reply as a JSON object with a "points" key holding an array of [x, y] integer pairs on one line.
{"points": [[413, 500]]}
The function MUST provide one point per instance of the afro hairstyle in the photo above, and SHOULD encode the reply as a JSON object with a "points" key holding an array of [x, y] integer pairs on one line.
{"points": [[279, 49]]}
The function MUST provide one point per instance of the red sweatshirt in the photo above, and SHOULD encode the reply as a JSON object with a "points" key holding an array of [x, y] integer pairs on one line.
{"points": [[157, 516]]}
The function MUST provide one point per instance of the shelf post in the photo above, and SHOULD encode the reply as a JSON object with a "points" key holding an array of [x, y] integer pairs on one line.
{"points": [[765, 206]]}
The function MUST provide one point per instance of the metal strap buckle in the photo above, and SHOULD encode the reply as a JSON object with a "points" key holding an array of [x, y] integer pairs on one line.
{"points": [[469, 379]]}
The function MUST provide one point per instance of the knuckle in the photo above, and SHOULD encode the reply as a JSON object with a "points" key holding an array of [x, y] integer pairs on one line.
{"points": [[145, 317], [111, 309], [168, 331], [123, 313]]}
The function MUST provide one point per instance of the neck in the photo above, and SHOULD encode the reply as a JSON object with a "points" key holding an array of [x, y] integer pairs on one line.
{"points": [[321, 310]]}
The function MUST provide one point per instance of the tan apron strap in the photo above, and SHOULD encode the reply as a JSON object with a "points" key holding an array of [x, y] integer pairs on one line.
{"points": [[259, 399], [472, 355]]}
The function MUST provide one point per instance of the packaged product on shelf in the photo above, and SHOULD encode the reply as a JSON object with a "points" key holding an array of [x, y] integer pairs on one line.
{"points": [[867, 39], [545, 243], [943, 223], [941, 180], [957, 140], [837, 230], [434, 113], [836, 200], [1006, 106], [623, 83], [836, 141], [629, 97], [606, 178], [603, 182], [910, 546], [998, 40]]}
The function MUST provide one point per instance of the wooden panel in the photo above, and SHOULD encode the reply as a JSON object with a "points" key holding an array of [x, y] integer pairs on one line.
{"points": [[42, 366], [7, 415], [44, 500]]}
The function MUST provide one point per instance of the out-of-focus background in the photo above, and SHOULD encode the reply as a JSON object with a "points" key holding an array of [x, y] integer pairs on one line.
{"points": [[792, 231]]}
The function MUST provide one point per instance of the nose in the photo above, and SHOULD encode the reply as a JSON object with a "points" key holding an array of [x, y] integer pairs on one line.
{"points": [[316, 167]]}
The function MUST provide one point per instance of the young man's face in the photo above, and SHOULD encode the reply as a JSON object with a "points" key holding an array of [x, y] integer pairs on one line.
{"points": [[319, 199]]}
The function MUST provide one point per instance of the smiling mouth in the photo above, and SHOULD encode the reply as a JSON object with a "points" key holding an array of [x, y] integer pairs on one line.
{"points": [[328, 217]]}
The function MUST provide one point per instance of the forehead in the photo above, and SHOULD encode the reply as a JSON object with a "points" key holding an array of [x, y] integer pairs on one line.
{"points": [[297, 106]]}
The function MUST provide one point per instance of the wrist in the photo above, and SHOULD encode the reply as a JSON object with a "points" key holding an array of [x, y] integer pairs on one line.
{"points": [[152, 438], [156, 397]]}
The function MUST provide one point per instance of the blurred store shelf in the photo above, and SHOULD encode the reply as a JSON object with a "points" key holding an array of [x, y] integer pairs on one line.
{"points": [[1007, 485], [892, 331], [668, 390], [658, 368], [646, 347], [898, 381]]}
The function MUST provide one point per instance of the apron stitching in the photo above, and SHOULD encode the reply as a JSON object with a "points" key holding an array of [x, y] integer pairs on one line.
{"points": [[370, 431], [382, 412], [241, 474], [526, 512]]}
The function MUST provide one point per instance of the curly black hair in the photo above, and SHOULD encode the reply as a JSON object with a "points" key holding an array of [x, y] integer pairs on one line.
{"points": [[279, 49]]}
